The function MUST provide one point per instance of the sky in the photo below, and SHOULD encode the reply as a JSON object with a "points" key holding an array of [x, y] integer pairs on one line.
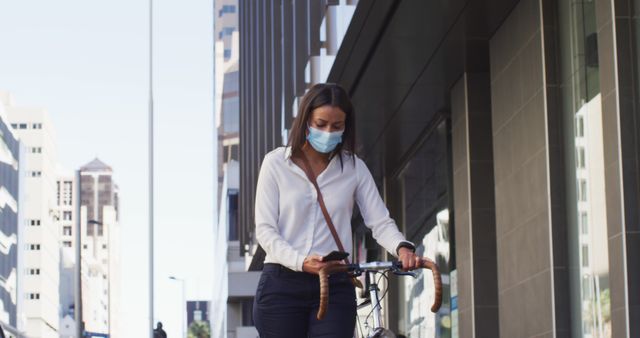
{"points": [[86, 62]]}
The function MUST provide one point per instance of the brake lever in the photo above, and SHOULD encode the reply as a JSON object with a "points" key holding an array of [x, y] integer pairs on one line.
{"points": [[405, 273], [397, 270]]}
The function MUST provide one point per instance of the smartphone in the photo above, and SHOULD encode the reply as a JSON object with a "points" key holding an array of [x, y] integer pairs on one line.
{"points": [[335, 256]]}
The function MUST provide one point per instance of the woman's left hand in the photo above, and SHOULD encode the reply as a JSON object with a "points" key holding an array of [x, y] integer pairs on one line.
{"points": [[409, 259]]}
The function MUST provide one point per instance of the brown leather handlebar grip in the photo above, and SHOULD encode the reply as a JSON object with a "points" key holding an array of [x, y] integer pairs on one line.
{"points": [[437, 282], [334, 267], [330, 268]]}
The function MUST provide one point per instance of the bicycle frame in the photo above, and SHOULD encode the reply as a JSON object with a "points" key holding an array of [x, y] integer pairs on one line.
{"points": [[375, 301], [371, 269]]}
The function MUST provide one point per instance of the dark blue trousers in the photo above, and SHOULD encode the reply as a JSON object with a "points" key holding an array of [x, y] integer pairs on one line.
{"points": [[286, 305]]}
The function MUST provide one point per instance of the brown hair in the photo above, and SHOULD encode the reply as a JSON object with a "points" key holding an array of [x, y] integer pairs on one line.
{"points": [[319, 95]]}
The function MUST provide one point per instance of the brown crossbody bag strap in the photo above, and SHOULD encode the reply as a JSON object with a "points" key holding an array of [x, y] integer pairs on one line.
{"points": [[307, 170], [312, 178], [327, 218]]}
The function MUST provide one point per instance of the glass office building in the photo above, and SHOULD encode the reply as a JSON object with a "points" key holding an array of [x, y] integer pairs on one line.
{"points": [[504, 137]]}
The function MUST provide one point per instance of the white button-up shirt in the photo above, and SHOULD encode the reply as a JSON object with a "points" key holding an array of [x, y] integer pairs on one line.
{"points": [[289, 221]]}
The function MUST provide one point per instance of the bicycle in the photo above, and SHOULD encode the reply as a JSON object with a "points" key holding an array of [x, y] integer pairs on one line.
{"points": [[371, 286]]}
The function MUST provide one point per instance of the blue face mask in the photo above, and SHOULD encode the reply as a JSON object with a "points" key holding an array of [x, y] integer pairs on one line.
{"points": [[322, 141]]}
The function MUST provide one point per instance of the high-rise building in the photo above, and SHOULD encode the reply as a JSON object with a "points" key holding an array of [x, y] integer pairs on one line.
{"points": [[100, 251], [11, 224], [503, 136], [226, 80], [277, 66], [230, 315], [226, 23], [99, 236], [40, 251], [286, 20]]}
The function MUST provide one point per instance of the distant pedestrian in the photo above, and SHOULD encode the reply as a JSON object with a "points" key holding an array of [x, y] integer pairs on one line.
{"points": [[159, 332]]}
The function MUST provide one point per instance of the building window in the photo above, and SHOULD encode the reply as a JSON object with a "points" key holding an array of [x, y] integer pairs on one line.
{"points": [[14, 125], [66, 231], [66, 215], [579, 126], [585, 256], [580, 157], [227, 53], [33, 271], [247, 313], [232, 204], [36, 173], [36, 150], [226, 9], [33, 296], [230, 152], [66, 244], [68, 192], [36, 126], [584, 225], [34, 247], [34, 222], [104, 246], [22, 126], [582, 190], [582, 119]]}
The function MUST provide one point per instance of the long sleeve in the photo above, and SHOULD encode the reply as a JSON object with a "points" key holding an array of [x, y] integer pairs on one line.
{"points": [[374, 212], [266, 218]]}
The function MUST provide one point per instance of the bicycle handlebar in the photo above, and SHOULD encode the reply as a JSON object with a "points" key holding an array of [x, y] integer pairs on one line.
{"points": [[335, 267]]}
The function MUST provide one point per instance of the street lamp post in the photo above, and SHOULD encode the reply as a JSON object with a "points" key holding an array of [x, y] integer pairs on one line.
{"points": [[184, 313], [78, 268]]}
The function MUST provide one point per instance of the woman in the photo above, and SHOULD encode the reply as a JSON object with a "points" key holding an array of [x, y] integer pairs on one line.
{"points": [[291, 228]]}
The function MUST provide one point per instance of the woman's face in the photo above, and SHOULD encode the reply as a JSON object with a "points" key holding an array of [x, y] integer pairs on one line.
{"points": [[328, 118]]}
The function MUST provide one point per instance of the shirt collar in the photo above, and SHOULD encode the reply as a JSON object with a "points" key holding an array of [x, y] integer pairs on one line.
{"points": [[287, 152]]}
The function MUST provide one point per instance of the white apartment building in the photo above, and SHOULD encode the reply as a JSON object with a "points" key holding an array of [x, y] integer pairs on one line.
{"points": [[11, 224], [66, 201], [40, 236]]}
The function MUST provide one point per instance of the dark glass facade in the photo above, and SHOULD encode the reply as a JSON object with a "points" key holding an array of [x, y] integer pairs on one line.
{"points": [[503, 136], [276, 39], [96, 192]]}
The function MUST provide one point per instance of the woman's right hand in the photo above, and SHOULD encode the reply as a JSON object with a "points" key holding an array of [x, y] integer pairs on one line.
{"points": [[312, 264]]}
